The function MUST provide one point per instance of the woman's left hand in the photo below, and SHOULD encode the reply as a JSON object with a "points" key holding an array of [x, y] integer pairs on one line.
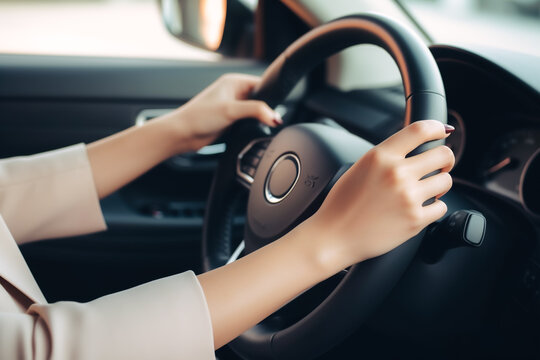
{"points": [[200, 121]]}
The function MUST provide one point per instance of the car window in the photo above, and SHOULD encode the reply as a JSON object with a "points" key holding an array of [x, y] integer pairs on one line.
{"points": [[508, 24], [111, 28]]}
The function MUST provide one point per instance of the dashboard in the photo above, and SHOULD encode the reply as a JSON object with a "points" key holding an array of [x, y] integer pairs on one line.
{"points": [[509, 166], [497, 120]]}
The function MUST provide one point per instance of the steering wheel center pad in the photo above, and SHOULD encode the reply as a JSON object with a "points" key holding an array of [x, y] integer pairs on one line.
{"points": [[322, 152]]}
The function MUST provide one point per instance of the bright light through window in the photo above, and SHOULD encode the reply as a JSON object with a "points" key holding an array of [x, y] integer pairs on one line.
{"points": [[509, 24], [213, 14], [112, 28]]}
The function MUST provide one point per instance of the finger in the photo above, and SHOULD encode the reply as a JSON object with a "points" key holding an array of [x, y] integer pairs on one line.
{"points": [[439, 158], [434, 211], [435, 186], [242, 84], [414, 135], [248, 79], [253, 109]]}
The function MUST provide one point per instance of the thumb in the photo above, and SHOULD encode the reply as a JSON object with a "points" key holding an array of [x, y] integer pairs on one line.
{"points": [[254, 109]]}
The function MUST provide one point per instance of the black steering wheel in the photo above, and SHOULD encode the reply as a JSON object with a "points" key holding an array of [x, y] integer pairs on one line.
{"points": [[288, 176]]}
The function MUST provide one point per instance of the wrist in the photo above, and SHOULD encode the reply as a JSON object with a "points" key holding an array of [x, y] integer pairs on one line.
{"points": [[322, 247], [176, 135]]}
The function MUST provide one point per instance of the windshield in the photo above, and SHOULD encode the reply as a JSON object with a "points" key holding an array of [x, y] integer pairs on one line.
{"points": [[508, 24]]}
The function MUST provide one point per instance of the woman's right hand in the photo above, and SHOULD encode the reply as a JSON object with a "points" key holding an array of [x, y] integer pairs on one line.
{"points": [[377, 204], [374, 207]]}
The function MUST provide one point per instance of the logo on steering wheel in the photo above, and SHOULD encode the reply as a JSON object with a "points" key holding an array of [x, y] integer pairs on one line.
{"points": [[311, 181]]}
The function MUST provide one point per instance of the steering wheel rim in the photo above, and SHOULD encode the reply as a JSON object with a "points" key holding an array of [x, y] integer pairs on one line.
{"points": [[368, 283]]}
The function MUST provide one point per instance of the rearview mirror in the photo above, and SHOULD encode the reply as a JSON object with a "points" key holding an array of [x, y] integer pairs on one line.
{"points": [[224, 26]]}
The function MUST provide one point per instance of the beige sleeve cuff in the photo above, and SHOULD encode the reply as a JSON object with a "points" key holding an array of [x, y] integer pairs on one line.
{"points": [[163, 319], [49, 195]]}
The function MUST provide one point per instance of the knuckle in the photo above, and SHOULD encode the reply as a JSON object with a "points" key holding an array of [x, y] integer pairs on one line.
{"points": [[377, 156], [396, 177], [373, 156], [444, 209], [408, 200], [447, 179], [227, 110], [259, 109], [421, 128], [441, 209], [447, 153], [415, 218]]}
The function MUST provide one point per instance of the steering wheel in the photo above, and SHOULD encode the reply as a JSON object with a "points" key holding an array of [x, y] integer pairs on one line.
{"points": [[288, 176]]}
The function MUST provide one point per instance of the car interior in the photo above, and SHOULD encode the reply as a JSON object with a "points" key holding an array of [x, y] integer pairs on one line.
{"points": [[466, 287]]}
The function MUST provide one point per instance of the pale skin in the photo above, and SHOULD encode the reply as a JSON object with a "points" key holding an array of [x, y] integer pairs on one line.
{"points": [[373, 208]]}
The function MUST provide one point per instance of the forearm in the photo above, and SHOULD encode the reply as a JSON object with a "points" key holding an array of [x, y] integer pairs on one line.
{"points": [[120, 158], [243, 293]]}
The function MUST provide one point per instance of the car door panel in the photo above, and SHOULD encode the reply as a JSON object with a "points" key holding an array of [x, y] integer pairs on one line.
{"points": [[70, 77], [47, 102]]}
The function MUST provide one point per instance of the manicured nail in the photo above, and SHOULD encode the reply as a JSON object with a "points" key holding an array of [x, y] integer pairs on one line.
{"points": [[277, 119], [449, 128]]}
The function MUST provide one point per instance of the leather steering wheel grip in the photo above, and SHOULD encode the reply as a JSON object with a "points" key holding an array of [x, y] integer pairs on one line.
{"points": [[367, 284], [421, 79]]}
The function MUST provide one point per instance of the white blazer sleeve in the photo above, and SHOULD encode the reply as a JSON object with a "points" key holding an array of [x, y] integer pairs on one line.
{"points": [[163, 319], [49, 195]]}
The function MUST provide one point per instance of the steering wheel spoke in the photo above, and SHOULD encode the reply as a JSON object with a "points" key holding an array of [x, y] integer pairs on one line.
{"points": [[249, 159], [237, 252]]}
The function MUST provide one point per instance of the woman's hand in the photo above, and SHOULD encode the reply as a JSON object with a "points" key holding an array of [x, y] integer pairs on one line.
{"points": [[120, 158], [377, 204], [201, 120], [374, 207]]}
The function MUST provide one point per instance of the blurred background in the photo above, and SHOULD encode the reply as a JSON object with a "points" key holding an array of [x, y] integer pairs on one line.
{"points": [[510, 24], [133, 28], [116, 28]]}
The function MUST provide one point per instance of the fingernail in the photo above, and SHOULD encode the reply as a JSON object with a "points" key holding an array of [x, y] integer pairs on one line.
{"points": [[449, 128], [277, 119]]}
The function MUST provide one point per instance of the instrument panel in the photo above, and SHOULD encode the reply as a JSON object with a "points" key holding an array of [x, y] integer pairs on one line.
{"points": [[511, 167], [456, 142]]}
